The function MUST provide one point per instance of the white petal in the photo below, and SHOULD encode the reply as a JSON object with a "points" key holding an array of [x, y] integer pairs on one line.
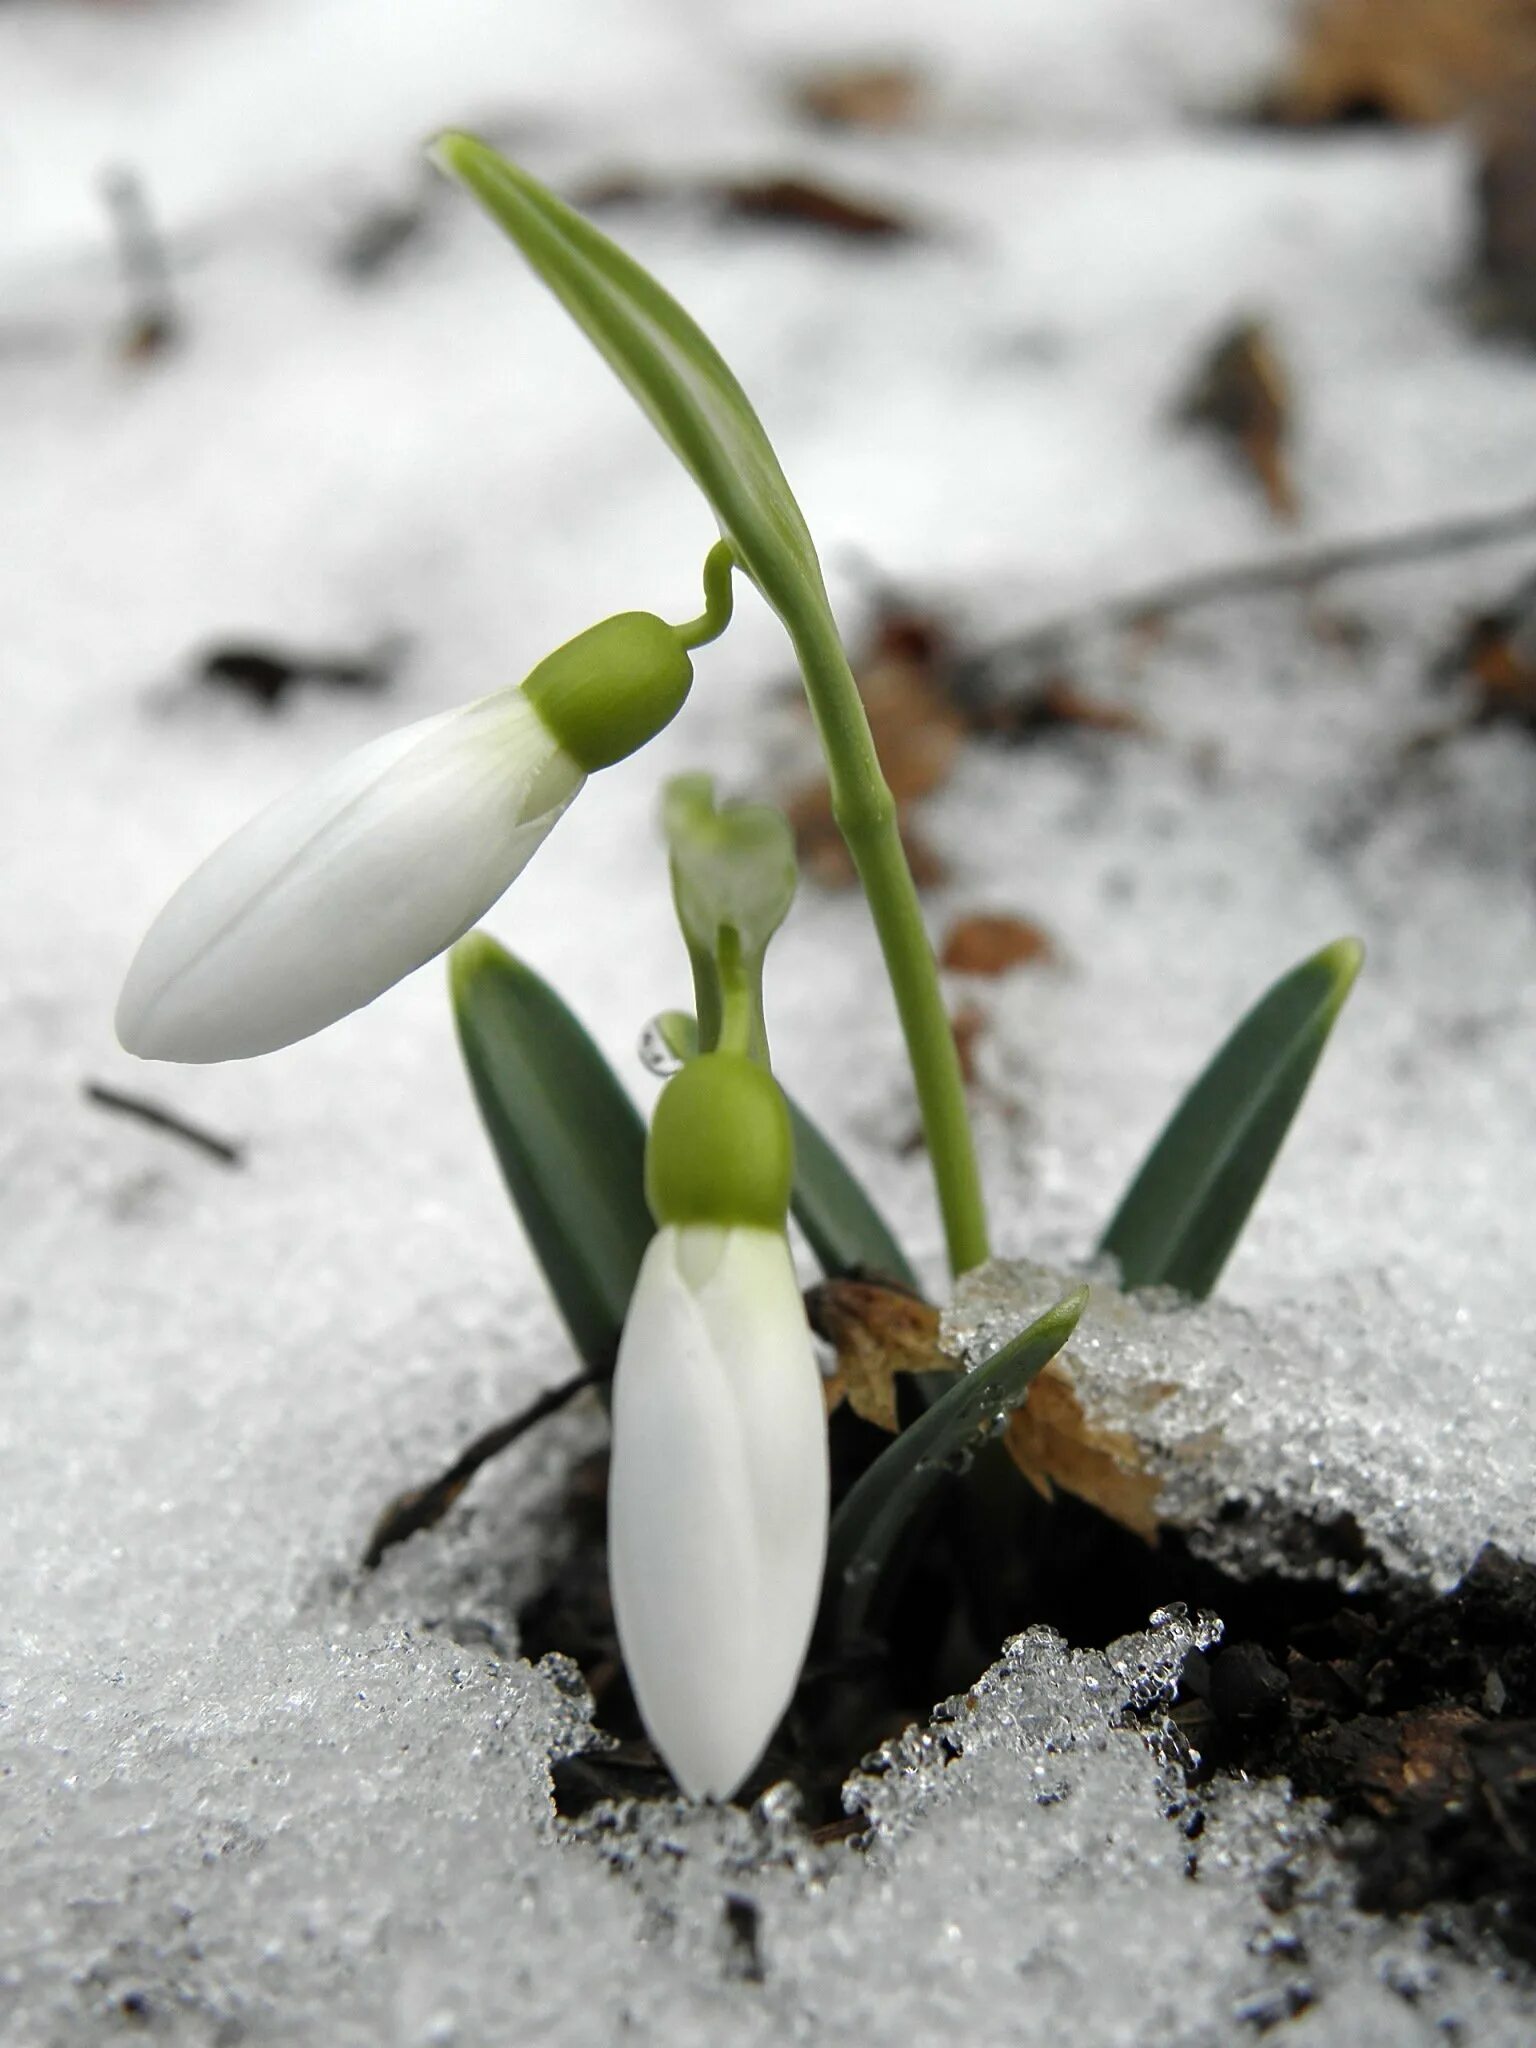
{"points": [[717, 1504], [339, 889]]}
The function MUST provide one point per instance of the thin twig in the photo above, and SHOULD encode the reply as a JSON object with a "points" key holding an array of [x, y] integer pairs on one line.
{"points": [[152, 319], [426, 1505], [162, 1119], [1294, 571]]}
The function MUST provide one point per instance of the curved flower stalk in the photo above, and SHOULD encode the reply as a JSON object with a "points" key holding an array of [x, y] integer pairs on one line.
{"points": [[718, 1494], [343, 887], [690, 394]]}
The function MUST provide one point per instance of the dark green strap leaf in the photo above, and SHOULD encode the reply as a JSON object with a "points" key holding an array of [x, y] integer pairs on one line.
{"points": [[675, 372], [1188, 1204], [842, 1225], [570, 1143], [874, 1513]]}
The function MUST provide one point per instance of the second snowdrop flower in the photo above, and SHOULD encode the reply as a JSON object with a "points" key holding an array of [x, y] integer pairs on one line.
{"points": [[718, 1495]]}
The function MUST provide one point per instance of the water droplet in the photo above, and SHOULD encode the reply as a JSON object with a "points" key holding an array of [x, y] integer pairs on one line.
{"points": [[656, 1055]]}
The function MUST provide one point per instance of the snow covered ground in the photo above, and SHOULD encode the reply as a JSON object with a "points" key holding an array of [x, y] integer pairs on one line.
{"points": [[246, 1795]]}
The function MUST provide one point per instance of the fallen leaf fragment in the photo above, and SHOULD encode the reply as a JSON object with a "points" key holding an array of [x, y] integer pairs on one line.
{"points": [[1054, 1443], [1496, 656], [1410, 61], [877, 1331], [969, 1024], [861, 95], [1048, 700], [1502, 296], [786, 198], [805, 202], [266, 671], [990, 943], [1241, 392]]}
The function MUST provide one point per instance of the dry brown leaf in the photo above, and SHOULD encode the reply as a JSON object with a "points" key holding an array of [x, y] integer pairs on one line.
{"points": [[1050, 702], [991, 942], [801, 202], [789, 199], [1496, 655], [968, 1024], [1242, 392], [877, 1331], [1405, 60], [861, 95], [1502, 292], [1054, 1443]]}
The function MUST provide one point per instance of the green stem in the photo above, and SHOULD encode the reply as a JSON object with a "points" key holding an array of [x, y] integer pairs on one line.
{"points": [[719, 598], [865, 812], [736, 1005]]}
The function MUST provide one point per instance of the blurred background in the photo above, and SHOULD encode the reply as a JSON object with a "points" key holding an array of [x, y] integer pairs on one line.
{"points": [[1049, 310]]}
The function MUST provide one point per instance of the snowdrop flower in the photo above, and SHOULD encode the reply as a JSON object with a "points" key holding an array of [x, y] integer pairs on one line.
{"points": [[339, 889], [718, 1495]]}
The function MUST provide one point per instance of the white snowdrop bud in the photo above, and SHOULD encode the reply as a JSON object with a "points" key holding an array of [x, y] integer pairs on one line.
{"points": [[718, 1497], [336, 891]]}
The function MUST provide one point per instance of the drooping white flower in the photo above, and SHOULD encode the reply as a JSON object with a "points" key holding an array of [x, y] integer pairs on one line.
{"points": [[337, 890], [717, 1506]]}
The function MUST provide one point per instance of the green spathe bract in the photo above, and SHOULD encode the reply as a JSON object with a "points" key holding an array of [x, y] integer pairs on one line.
{"points": [[720, 1149], [675, 372], [612, 688], [733, 881], [1186, 1208]]}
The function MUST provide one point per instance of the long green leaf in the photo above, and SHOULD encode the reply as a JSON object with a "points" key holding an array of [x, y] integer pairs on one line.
{"points": [[841, 1224], [1186, 1207], [879, 1507], [570, 1143], [670, 366]]}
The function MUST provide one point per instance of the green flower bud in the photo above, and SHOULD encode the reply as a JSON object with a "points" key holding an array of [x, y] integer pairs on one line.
{"points": [[720, 1149], [612, 688]]}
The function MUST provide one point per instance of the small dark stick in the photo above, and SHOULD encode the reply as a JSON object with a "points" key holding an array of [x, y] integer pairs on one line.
{"points": [[153, 322], [162, 1119], [424, 1506]]}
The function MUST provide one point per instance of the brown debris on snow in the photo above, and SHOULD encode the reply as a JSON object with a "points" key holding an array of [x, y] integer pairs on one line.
{"points": [[992, 943], [1242, 393], [886, 95], [1411, 61]]}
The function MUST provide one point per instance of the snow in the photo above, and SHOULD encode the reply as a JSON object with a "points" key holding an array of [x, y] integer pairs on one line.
{"points": [[259, 1797]]}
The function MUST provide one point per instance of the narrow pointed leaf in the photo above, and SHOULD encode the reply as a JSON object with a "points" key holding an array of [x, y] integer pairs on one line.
{"points": [[568, 1139], [842, 1225], [675, 372], [1188, 1204], [868, 1525]]}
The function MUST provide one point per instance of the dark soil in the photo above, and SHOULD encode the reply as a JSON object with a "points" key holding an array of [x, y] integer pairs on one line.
{"points": [[1412, 1712]]}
